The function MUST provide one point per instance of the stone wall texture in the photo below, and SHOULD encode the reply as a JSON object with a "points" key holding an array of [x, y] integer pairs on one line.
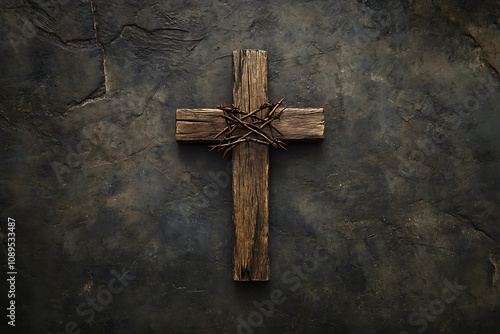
{"points": [[390, 225]]}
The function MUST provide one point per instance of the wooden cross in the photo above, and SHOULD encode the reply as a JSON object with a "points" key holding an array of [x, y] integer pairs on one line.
{"points": [[250, 159]]}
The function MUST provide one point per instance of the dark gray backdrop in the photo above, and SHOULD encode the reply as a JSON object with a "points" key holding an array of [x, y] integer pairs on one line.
{"points": [[388, 226]]}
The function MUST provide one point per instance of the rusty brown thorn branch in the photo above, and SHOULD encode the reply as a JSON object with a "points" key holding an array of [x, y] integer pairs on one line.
{"points": [[249, 126]]}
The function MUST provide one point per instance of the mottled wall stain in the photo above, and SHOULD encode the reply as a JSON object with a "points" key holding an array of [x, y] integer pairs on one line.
{"points": [[388, 226]]}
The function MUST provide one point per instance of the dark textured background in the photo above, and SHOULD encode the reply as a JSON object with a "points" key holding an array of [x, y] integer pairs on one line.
{"points": [[403, 194]]}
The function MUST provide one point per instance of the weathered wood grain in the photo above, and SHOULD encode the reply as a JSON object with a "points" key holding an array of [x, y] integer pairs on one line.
{"points": [[250, 174], [296, 124]]}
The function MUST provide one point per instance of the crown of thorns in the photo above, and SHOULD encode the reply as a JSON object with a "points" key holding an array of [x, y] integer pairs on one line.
{"points": [[252, 124]]}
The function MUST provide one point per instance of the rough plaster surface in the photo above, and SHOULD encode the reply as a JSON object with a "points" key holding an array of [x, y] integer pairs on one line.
{"points": [[399, 202]]}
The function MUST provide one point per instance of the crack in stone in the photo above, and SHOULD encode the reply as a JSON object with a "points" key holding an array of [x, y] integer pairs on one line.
{"points": [[483, 53], [96, 95], [495, 262], [220, 57], [149, 31], [8, 120], [466, 33], [73, 44], [99, 93], [93, 9], [134, 26], [471, 222], [409, 241], [479, 229], [48, 24], [188, 291]]}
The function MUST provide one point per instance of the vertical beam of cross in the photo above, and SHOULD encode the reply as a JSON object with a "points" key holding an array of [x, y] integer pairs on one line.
{"points": [[250, 173]]}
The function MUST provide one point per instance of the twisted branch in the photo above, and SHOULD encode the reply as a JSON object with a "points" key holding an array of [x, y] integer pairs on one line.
{"points": [[255, 126]]}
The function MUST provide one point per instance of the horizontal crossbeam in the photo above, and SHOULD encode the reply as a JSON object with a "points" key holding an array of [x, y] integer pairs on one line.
{"points": [[296, 124]]}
